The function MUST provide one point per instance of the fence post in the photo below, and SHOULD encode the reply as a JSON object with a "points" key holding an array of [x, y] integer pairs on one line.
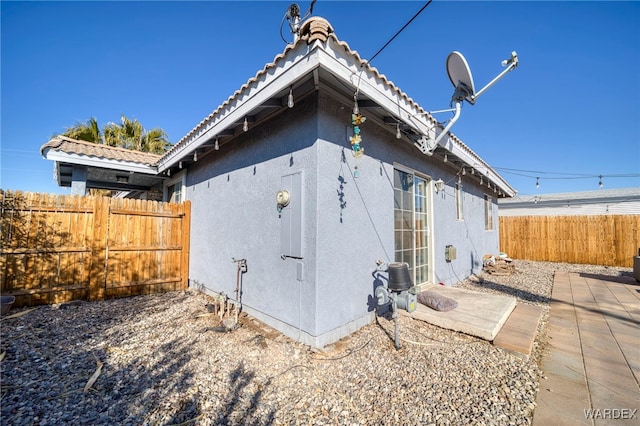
{"points": [[186, 243], [97, 272]]}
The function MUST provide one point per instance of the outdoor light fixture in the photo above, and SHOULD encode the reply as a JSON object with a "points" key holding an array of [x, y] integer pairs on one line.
{"points": [[290, 98], [245, 125], [398, 134], [446, 158], [195, 156], [180, 165], [216, 146], [356, 108], [464, 171]]}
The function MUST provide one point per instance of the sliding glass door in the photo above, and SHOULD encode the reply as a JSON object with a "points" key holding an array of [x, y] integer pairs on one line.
{"points": [[411, 223]]}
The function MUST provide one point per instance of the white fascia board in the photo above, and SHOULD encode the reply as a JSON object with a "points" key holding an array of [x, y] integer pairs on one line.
{"points": [[84, 160], [473, 160], [341, 64], [300, 61]]}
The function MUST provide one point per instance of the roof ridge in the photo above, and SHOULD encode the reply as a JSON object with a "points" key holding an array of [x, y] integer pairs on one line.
{"points": [[318, 29], [63, 138], [235, 94]]}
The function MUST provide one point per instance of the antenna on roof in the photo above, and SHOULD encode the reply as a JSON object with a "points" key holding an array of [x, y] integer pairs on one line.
{"points": [[292, 15], [462, 80]]}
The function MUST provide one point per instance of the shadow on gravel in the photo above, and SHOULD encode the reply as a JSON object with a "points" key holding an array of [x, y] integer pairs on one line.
{"points": [[148, 371], [241, 406], [511, 291], [168, 378]]}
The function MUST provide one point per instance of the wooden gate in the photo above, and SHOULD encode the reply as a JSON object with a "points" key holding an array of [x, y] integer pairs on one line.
{"points": [[55, 249]]}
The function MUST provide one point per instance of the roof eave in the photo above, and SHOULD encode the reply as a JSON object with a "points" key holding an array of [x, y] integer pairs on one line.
{"points": [[300, 61], [335, 56], [84, 160], [375, 86]]}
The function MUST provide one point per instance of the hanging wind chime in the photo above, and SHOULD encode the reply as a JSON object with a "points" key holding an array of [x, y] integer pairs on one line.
{"points": [[356, 120]]}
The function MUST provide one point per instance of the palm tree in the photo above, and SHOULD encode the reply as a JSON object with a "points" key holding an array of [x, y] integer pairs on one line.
{"points": [[88, 131], [130, 134], [155, 140]]}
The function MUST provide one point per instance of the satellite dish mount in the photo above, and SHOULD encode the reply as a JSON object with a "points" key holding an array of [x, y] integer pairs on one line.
{"points": [[462, 80]]}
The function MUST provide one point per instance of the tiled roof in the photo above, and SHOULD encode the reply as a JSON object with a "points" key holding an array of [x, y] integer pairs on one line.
{"points": [[318, 29], [315, 28], [72, 146]]}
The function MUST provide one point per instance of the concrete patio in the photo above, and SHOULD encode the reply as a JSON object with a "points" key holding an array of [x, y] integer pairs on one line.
{"points": [[477, 314], [592, 368]]}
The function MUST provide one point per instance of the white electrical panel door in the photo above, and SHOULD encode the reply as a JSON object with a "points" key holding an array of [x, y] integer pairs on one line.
{"points": [[291, 216]]}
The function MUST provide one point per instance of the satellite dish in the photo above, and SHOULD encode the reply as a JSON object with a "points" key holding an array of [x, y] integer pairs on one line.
{"points": [[462, 80], [460, 75]]}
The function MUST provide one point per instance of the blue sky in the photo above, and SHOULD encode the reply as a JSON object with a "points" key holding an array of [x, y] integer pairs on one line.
{"points": [[568, 114]]}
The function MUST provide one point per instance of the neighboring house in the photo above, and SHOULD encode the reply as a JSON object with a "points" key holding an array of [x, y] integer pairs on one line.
{"points": [[311, 251], [585, 203], [84, 165]]}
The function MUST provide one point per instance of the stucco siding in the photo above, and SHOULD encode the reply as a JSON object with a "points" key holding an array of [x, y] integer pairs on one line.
{"points": [[355, 227], [234, 215], [347, 222], [383, 153], [468, 235], [355, 222]]}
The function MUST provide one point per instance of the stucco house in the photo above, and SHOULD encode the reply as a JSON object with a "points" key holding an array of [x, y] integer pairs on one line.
{"points": [[285, 175]]}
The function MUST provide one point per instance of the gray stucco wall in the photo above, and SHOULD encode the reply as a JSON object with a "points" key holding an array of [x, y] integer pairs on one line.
{"points": [[347, 222], [234, 214], [375, 188]]}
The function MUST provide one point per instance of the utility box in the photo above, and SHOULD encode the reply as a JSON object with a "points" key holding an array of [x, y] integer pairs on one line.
{"points": [[290, 205], [450, 253]]}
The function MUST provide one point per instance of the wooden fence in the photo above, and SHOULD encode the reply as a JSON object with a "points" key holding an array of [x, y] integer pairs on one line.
{"points": [[598, 240], [54, 249]]}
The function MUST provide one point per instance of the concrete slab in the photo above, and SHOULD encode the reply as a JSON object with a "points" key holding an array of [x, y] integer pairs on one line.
{"points": [[519, 332], [591, 368], [477, 314]]}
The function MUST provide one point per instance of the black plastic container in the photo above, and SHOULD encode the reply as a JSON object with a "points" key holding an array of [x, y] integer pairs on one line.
{"points": [[399, 279]]}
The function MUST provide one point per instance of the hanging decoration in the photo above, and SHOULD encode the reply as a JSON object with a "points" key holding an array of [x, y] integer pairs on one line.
{"points": [[357, 120]]}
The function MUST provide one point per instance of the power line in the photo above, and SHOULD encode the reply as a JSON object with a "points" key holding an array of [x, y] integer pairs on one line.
{"points": [[399, 31], [537, 174]]}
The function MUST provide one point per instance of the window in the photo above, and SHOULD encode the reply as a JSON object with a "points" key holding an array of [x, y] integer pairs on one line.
{"points": [[459, 195], [488, 213], [174, 193], [174, 190], [411, 224]]}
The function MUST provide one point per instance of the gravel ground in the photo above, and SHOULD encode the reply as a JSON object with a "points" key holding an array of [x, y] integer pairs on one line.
{"points": [[163, 364]]}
